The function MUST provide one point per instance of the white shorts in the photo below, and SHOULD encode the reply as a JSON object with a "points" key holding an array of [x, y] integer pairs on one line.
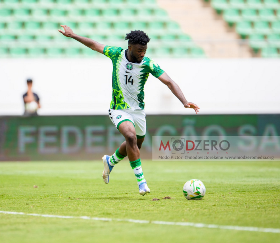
{"points": [[137, 117]]}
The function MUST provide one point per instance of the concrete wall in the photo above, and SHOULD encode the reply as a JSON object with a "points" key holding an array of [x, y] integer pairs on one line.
{"points": [[83, 86]]}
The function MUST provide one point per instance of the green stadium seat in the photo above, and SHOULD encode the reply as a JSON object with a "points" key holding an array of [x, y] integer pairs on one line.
{"points": [[257, 41], [75, 13], [5, 12], [255, 4], [54, 52], [244, 29], [117, 2], [270, 52], [276, 27], [92, 13], [10, 2], [153, 36], [232, 16], [57, 13], [4, 52], [274, 40], [85, 26], [272, 4], [180, 52], [72, 52], [122, 26], [168, 37], [36, 52], [5, 37], [51, 25], [184, 37], [239, 4], [39, 13], [32, 25], [47, 3], [160, 14], [97, 37], [133, 1], [156, 25], [2, 26], [262, 27], [144, 13], [110, 12], [18, 52], [64, 2], [88, 52], [249, 14], [138, 25], [267, 15], [81, 2], [115, 37], [129, 12], [197, 52], [15, 25], [29, 1], [43, 37], [278, 14], [103, 26], [21, 13], [162, 51], [25, 37], [220, 5]]}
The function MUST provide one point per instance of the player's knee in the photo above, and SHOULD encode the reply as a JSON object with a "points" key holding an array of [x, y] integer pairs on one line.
{"points": [[131, 138]]}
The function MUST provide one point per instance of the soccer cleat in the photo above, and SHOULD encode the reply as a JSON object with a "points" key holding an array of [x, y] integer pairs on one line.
{"points": [[143, 188], [107, 168]]}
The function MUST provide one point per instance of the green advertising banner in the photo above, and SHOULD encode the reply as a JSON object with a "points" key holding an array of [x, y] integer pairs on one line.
{"points": [[90, 137]]}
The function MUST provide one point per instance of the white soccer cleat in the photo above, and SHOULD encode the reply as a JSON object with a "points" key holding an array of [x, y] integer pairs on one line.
{"points": [[107, 168], [144, 189]]}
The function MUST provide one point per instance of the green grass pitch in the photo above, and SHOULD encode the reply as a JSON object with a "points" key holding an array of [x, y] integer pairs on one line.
{"points": [[242, 194]]}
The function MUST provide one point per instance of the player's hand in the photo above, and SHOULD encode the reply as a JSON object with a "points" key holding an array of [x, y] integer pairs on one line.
{"points": [[67, 31], [193, 106]]}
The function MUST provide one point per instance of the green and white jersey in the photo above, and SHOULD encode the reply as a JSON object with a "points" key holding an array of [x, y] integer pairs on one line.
{"points": [[129, 79]]}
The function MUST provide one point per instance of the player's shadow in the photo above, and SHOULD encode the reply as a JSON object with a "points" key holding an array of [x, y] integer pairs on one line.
{"points": [[121, 198]]}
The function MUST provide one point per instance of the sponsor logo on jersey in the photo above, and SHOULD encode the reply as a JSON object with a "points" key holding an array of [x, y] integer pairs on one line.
{"points": [[119, 116], [129, 66]]}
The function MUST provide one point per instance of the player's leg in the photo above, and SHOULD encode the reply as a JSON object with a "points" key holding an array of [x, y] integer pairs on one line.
{"points": [[127, 129], [122, 149]]}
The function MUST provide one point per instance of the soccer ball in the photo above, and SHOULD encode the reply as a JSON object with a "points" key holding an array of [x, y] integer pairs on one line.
{"points": [[194, 189]]}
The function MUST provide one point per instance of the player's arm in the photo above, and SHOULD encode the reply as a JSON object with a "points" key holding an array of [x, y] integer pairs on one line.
{"points": [[94, 45], [175, 89]]}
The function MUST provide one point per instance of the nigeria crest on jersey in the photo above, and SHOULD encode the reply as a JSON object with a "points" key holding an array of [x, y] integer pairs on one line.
{"points": [[129, 66]]}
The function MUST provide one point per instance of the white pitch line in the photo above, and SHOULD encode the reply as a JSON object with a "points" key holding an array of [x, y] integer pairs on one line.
{"points": [[196, 225]]}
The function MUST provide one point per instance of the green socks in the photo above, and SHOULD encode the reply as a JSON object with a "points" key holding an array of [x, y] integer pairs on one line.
{"points": [[116, 158], [136, 166]]}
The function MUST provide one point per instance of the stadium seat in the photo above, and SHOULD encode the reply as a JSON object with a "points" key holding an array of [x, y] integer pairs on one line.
{"points": [[121, 26], [133, 1], [257, 41], [15, 25], [10, 2], [25, 37], [81, 2], [4, 52], [160, 14], [47, 3], [72, 52], [127, 14], [138, 25], [36, 52], [92, 13], [274, 40], [270, 52], [103, 26], [85, 26], [232, 16], [244, 29], [278, 14], [180, 52], [39, 14], [267, 14], [276, 27], [57, 13], [197, 52], [54, 52], [29, 1], [156, 25], [109, 12], [43, 37], [51, 25], [32, 25], [5, 37], [161, 51], [2, 25], [255, 4], [64, 1], [17, 52], [5, 12], [249, 14], [272, 4], [21, 13], [118, 2], [262, 27], [220, 5], [88, 52], [239, 4], [172, 26]]}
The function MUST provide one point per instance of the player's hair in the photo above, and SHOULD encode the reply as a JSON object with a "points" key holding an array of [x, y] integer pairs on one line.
{"points": [[137, 37], [29, 81]]}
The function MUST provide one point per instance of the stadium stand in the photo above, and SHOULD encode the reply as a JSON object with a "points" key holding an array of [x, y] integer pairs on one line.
{"points": [[257, 21], [29, 27]]}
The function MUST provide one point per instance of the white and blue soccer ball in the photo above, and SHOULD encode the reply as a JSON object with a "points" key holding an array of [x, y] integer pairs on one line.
{"points": [[194, 189]]}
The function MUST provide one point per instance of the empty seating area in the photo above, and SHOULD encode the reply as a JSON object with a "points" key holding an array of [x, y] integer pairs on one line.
{"points": [[255, 20], [28, 28]]}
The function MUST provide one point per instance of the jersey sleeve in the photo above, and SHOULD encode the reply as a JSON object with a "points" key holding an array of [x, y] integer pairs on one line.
{"points": [[155, 69], [112, 51]]}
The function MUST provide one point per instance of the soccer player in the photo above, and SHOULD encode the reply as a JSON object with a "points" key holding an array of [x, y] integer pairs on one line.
{"points": [[130, 72]]}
